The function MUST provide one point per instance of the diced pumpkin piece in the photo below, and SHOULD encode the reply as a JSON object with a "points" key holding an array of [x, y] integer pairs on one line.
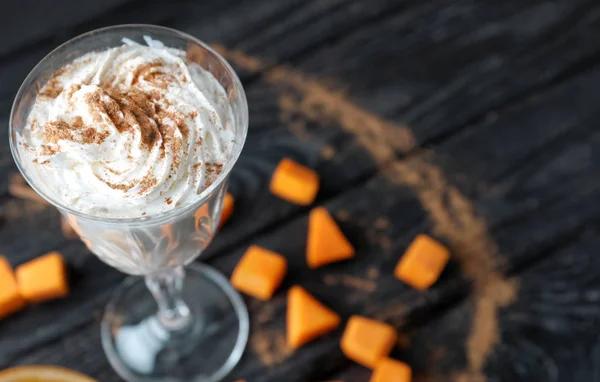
{"points": [[44, 278], [295, 183], [422, 263], [326, 242], [227, 209], [366, 341], [307, 318], [10, 298], [390, 370], [259, 273]]}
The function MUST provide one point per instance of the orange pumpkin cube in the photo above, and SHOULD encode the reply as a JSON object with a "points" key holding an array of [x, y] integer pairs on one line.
{"points": [[422, 263], [366, 341], [295, 183], [227, 211], [10, 299], [44, 278], [326, 242], [390, 370], [259, 273], [307, 318]]}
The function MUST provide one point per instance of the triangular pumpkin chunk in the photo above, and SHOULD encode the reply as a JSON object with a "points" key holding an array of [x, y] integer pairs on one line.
{"points": [[326, 242], [307, 318]]}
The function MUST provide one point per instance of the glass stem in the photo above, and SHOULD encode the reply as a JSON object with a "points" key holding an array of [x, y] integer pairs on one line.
{"points": [[166, 287]]}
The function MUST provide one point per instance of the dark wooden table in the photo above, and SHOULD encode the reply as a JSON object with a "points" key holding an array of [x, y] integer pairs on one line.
{"points": [[474, 121]]}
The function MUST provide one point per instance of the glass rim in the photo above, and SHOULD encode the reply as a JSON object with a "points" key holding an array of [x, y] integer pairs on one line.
{"points": [[158, 216]]}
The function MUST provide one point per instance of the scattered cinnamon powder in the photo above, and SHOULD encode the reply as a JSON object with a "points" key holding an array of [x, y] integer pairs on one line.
{"points": [[47, 150], [129, 110], [453, 215], [92, 136], [33, 124], [146, 183], [270, 346], [381, 224], [182, 126], [132, 114], [385, 243], [455, 220], [212, 172], [168, 200], [469, 377], [342, 215], [320, 104], [213, 168], [53, 88], [299, 129], [238, 58], [143, 101], [437, 355], [296, 124], [351, 282], [57, 130], [151, 72], [113, 171], [267, 342], [327, 152], [71, 90], [77, 123], [115, 186], [265, 313], [373, 273], [77, 132], [394, 313]]}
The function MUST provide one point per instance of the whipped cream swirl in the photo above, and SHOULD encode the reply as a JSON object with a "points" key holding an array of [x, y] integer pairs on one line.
{"points": [[126, 132]]}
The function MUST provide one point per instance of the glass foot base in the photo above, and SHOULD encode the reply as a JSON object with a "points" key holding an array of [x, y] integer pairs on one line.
{"points": [[140, 349]]}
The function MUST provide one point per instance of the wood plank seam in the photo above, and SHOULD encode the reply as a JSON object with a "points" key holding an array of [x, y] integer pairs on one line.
{"points": [[453, 216]]}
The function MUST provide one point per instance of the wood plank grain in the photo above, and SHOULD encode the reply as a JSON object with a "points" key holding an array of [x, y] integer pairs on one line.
{"points": [[379, 232], [452, 63], [269, 141], [46, 18], [548, 334], [359, 204], [504, 205]]}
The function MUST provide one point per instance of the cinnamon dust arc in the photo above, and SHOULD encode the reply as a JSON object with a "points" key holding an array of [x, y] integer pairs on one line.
{"points": [[453, 216], [267, 342]]}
